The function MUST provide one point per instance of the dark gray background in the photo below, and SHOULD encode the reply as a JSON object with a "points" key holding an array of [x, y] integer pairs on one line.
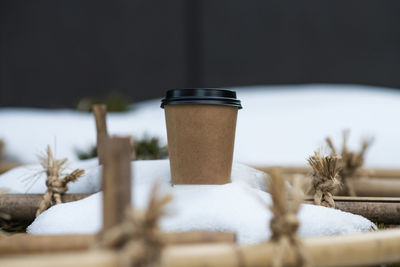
{"points": [[54, 52]]}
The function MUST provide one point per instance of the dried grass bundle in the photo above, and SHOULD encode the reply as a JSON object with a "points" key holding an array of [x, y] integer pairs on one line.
{"points": [[351, 161]]}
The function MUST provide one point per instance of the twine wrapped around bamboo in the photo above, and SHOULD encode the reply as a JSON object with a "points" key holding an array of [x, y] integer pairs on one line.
{"points": [[351, 161], [138, 239], [284, 224], [325, 178], [56, 186]]}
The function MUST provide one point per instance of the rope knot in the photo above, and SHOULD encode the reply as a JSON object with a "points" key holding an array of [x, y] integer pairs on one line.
{"points": [[284, 223], [56, 186], [138, 237], [324, 179]]}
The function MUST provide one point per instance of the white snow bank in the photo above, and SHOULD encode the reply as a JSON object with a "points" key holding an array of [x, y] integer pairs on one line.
{"points": [[277, 125], [285, 124], [31, 178], [232, 207], [27, 132]]}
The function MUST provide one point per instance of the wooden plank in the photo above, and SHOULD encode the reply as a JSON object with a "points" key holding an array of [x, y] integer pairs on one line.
{"points": [[364, 249]]}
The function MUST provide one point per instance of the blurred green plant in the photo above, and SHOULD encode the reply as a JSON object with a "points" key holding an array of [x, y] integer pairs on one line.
{"points": [[149, 148], [87, 154], [116, 102], [143, 149]]}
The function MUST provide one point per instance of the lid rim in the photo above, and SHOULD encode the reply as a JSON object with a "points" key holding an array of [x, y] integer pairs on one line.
{"points": [[213, 96]]}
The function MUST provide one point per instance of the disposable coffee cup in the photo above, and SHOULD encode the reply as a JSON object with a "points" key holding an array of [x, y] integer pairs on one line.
{"points": [[201, 125]]}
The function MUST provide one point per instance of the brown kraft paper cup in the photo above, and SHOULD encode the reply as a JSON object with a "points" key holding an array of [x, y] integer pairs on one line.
{"points": [[201, 141]]}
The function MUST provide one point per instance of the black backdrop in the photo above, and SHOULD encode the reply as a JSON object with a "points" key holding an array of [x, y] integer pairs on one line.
{"points": [[54, 52]]}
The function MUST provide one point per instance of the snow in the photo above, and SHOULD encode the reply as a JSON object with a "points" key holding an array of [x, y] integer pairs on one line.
{"points": [[234, 207], [277, 125], [31, 178]]}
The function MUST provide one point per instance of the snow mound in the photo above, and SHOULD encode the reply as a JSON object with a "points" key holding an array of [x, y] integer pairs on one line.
{"points": [[234, 207], [31, 178]]}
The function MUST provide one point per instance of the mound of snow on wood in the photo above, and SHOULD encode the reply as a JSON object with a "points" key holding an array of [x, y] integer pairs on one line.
{"points": [[239, 207]]}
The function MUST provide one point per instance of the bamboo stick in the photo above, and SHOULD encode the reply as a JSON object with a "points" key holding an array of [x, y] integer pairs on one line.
{"points": [[363, 186], [29, 244], [22, 207], [348, 250], [378, 210], [116, 181], [100, 113], [371, 172], [381, 187], [6, 166]]}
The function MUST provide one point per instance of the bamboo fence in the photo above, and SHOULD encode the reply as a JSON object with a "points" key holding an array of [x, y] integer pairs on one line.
{"points": [[371, 248]]}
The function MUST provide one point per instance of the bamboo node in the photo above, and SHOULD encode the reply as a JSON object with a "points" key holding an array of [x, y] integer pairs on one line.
{"points": [[325, 179], [284, 224], [138, 238], [352, 161], [56, 186]]}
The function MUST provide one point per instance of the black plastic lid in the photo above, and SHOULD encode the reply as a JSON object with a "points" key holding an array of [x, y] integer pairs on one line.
{"points": [[201, 96]]}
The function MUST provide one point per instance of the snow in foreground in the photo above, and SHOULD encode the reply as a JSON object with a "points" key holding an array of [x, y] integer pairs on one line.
{"points": [[234, 207], [277, 125]]}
